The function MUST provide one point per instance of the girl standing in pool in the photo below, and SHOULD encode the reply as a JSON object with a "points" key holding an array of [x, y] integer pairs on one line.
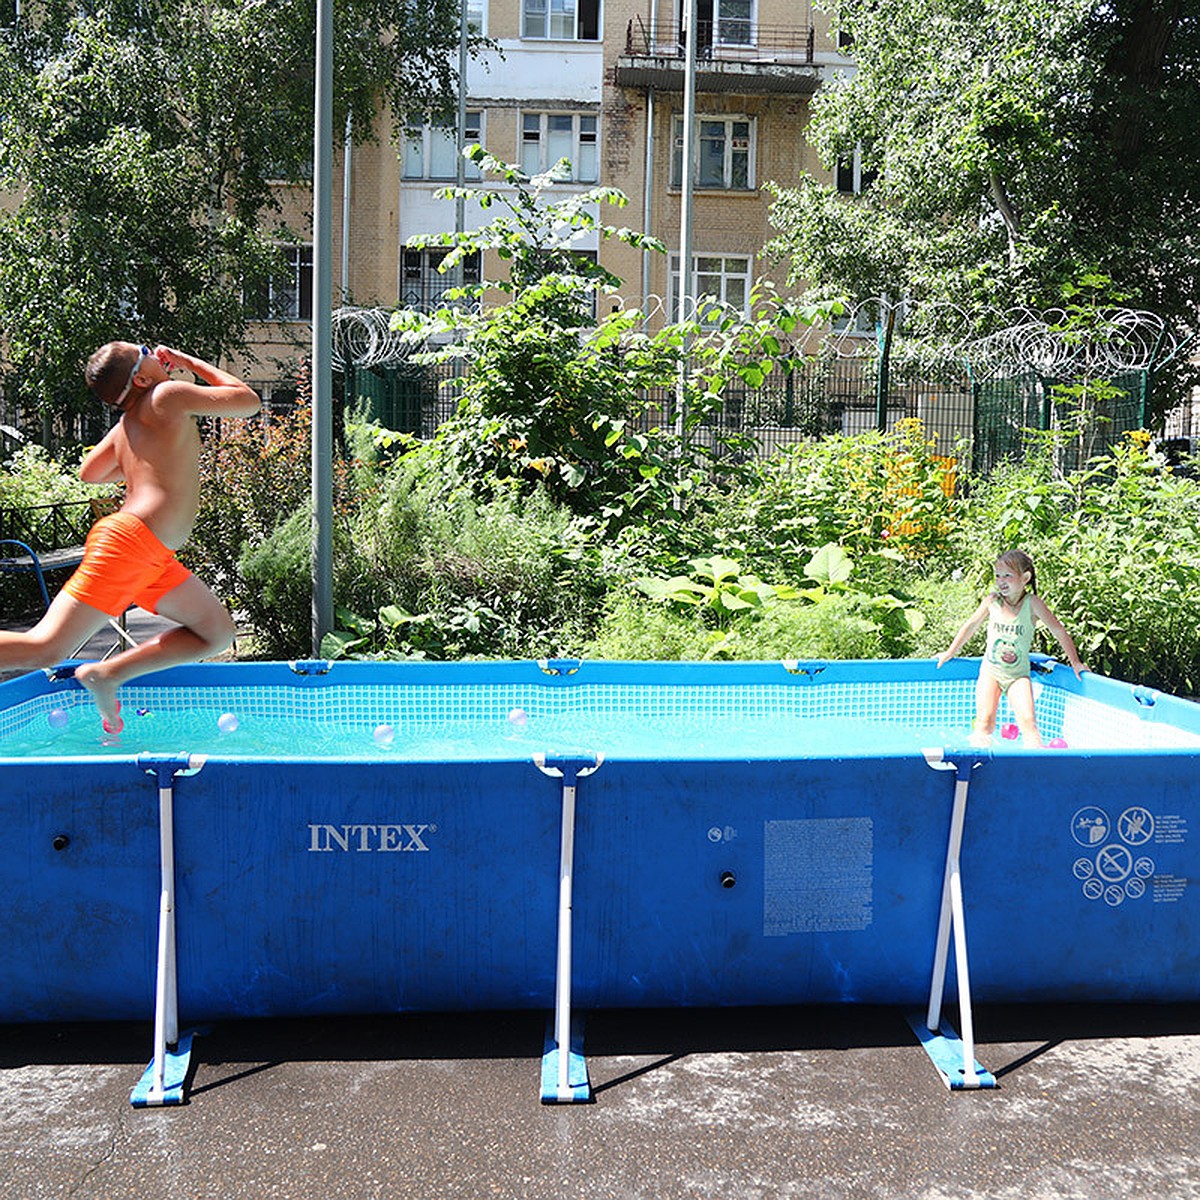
{"points": [[1011, 612]]}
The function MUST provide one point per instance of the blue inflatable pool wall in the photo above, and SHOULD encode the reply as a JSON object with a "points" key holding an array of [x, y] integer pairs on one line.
{"points": [[384, 885]]}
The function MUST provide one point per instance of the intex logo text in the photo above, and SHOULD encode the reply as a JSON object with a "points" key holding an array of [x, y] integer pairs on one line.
{"points": [[366, 838]]}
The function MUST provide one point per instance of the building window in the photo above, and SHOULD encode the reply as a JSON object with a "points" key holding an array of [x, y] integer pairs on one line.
{"points": [[723, 278], [561, 20], [477, 16], [724, 153], [424, 287], [548, 137], [287, 296], [431, 149], [725, 22], [861, 321], [852, 179]]}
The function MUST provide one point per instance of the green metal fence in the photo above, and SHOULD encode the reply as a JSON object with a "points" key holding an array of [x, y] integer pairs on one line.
{"points": [[982, 422]]}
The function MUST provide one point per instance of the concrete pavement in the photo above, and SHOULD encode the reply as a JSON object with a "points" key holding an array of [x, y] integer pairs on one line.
{"points": [[1094, 1103]]}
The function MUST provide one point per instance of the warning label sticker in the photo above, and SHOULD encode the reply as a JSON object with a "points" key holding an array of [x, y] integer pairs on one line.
{"points": [[818, 875], [1120, 866]]}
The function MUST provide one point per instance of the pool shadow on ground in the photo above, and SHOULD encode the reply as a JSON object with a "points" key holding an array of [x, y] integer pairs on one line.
{"points": [[230, 1051]]}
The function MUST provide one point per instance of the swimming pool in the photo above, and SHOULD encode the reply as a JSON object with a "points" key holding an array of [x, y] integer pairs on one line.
{"points": [[743, 833]]}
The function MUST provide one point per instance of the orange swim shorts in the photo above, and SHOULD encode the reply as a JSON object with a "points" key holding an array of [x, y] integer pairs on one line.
{"points": [[124, 564]]}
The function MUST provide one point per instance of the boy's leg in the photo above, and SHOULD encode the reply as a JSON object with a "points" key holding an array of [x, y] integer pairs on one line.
{"points": [[1020, 699], [68, 623], [205, 628]]}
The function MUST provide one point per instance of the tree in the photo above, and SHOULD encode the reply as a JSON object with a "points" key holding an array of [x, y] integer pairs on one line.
{"points": [[555, 396], [142, 145], [1019, 147]]}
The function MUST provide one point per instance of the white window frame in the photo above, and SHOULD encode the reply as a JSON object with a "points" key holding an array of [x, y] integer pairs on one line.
{"points": [[426, 144], [420, 263], [861, 322], [721, 24], [849, 177], [734, 273], [730, 139], [539, 141], [559, 20], [477, 15], [289, 294]]}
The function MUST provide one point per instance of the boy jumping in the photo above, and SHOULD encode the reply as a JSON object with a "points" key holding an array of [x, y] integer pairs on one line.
{"points": [[129, 557]]}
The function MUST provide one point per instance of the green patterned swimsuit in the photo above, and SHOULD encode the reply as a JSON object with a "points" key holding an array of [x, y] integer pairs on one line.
{"points": [[1008, 641]]}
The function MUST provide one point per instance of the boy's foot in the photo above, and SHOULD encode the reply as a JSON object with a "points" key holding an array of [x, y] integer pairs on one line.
{"points": [[104, 694]]}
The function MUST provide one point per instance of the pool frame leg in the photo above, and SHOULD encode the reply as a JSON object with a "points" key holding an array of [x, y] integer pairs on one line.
{"points": [[162, 1082], [954, 1057], [564, 1068]]}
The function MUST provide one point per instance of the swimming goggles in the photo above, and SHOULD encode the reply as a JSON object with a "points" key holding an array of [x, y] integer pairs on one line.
{"points": [[145, 353]]}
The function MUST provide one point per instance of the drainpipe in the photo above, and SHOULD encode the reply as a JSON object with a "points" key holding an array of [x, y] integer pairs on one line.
{"points": [[648, 192], [685, 205], [648, 189], [460, 172], [346, 155], [322, 376]]}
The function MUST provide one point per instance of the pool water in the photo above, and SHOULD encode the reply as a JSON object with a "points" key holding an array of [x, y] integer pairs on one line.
{"points": [[463, 723], [630, 735]]}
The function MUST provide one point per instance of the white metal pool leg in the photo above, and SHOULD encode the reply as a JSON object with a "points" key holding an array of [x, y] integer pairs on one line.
{"points": [[564, 1069], [954, 1057], [162, 1082]]}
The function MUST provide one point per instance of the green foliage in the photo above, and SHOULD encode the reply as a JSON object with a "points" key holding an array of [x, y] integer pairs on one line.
{"points": [[883, 494], [717, 587], [451, 575], [143, 144], [275, 583], [634, 628], [557, 399], [253, 477], [751, 619], [1013, 142], [31, 477]]}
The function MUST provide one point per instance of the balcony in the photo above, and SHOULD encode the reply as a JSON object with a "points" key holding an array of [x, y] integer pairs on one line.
{"points": [[731, 56]]}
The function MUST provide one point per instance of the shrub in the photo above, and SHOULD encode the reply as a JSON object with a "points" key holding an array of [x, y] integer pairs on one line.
{"points": [[870, 493], [1117, 549], [453, 575], [32, 477]]}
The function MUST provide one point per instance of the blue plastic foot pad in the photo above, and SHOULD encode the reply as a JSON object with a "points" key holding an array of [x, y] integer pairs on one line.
{"points": [[945, 1050], [175, 1069], [579, 1088]]}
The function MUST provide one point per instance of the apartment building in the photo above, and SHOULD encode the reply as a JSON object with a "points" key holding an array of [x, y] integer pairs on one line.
{"points": [[599, 82]]}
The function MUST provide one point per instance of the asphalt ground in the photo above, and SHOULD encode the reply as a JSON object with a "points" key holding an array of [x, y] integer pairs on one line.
{"points": [[744, 1104]]}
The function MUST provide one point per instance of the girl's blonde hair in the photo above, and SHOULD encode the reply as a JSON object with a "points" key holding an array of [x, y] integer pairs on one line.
{"points": [[1019, 561]]}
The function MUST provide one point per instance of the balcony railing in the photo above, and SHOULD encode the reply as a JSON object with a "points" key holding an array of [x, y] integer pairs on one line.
{"points": [[733, 40]]}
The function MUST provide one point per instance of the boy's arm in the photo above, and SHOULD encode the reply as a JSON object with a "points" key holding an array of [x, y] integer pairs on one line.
{"points": [[226, 395], [100, 464], [1059, 633], [965, 633]]}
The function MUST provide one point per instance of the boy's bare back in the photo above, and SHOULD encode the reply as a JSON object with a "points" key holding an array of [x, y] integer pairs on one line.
{"points": [[155, 446]]}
